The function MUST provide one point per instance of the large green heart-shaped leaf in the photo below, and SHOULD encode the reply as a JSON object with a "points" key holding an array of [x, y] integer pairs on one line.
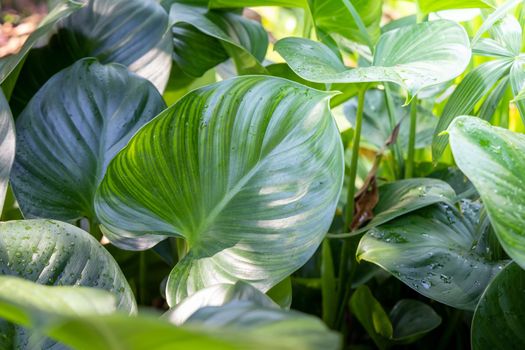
{"points": [[434, 252], [56, 253], [7, 146], [415, 57], [65, 140], [134, 33], [498, 320], [493, 159], [204, 38], [247, 170]]}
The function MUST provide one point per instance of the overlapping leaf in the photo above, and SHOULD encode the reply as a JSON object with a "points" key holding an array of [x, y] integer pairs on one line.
{"points": [[204, 38], [7, 146], [66, 137], [414, 57], [434, 252], [134, 33], [498, 320], [248, 171], [492, 158]]}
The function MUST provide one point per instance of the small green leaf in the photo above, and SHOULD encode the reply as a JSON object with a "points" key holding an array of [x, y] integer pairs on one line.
{"points": [[498, 320], [414, 57], [492, 158], [247, 170], [243, 39], [434, 252], [372, 316], [7, 147], [281, 293], [412, 319], [65, 141]]}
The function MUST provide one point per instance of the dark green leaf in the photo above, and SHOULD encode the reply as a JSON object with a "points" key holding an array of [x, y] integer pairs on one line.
{"points": [[412, 319], [66, 140]]}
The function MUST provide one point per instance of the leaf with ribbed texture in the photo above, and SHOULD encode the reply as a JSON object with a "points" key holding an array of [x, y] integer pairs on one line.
{"points": [[217, 295], [66, 137], [495, 18], [286, 329], [517, 82], [7, 146], [498, 320], [247, 170], [472, 88], [58, 254], [414, 57], [404, 196], [65, 8], [253, 3], [243, 39], [134, 33], [492, 158], [433, 252], [428, 6]]}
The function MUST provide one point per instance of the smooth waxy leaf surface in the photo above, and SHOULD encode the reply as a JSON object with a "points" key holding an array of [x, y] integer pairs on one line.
{"points": [[498, 320], [414, 57], [7, 146], [434, 252], [66, 139], [204, 38], [248, 171], [57, 254], [134, 33], [217, 295], [412, 319], [405, 196], [36, 306], [492, 158]]}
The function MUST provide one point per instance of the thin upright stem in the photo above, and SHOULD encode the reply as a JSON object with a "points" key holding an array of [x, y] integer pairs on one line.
{"points": [[409, 170], [348, 248]]}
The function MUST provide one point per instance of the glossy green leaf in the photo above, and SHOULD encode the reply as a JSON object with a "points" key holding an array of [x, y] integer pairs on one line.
{"points": [[492, 158], [7, 147], [372, 316], [247, 170], [63, 9], [59, 254], [405, 196], [414, 57], [281, 293], [498, 320], [412, 319], [222, 34], [134, 33], [34, 305], [279, 328], [217, 295], [495, 18], [65, 141], [517, 82], [428, 6], [472, 88], [434, 252]]}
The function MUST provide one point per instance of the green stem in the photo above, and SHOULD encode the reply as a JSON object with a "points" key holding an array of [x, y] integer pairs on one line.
{"points": [[348, 246], [397, 155], [409, 170], [94, 228], [452, 326], [360, 24]]}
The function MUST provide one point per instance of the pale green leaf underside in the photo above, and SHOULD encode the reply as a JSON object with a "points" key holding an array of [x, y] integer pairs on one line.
{"points": [[247, 170], [66, 140], [7, 146], [414, 57], [493, 159], [433, 252], [498, 320]]}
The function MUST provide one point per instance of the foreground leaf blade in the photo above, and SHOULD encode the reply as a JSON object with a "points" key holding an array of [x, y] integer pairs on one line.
{"points": [[7, 146]]}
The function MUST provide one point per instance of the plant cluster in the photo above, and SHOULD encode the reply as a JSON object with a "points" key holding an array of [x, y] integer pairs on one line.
{"points": [[167, 181]]}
